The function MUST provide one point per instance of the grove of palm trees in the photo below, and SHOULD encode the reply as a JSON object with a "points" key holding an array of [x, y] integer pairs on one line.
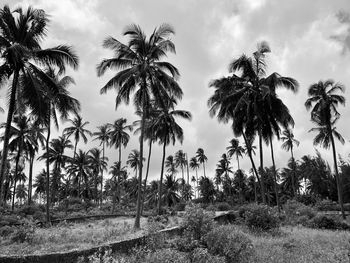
{"points": [[118, 139]]}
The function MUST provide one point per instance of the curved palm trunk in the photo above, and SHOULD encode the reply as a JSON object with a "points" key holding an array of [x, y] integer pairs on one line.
{"points": [[147, 171], [160, 185], [7, 133], [75, 149], [120, 154], [275, 176], [188, 172], [255, 170], [139, 190], [339, 185], [197, 183], [30, 183], [48, 171], [261, 169], [294, 174], [204, 168], [238, 162]]}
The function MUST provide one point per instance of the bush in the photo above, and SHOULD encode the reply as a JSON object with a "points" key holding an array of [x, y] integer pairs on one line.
{"points": [[260, 217], [201, 255], [180, 207], [325, 222], [24, 233], [166, 256], [294, 210], [197, 222], [306, 199], [230, 243], [223, 206], [6, 230]]}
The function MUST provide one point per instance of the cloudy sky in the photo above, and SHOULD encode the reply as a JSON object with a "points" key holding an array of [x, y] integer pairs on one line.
{"points": [[310, 41]]}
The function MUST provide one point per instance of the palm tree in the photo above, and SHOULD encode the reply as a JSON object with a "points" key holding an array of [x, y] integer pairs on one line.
{"points": [[40, 183], [167, 130], [324, 101], [103, 136], [235, 149], [250, 100], [180, 161], [56, 100], [21, 33], [139, 65], [194, 165], [134, 160], [170, 164], [78, 130], [118, 174], [98, 164], [118, 134], [288, 143], [201, 158]]}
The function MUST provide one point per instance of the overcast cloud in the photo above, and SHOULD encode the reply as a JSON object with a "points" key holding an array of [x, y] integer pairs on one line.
{"points": [[310, 41]]}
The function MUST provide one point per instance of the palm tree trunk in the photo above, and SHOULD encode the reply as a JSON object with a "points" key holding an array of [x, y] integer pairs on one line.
{"points": [[160, 185], [255, 170], [48, 171], [30, 182], [293, 175], [338, 179], [197, 183], [103, 153], [15, 178], [188, 172], [238, 163], [261, 169], [139, 190], [275, 176], [75, 148], [147, 171], [7, 133], [120, 154]]}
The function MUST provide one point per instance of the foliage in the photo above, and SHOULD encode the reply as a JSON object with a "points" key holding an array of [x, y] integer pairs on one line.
{"points": [[259, 217], [180, 206], [230, 243], [325, 222], [197, 222], [24, 233], [223, 206], [201, 255], [295, 210]]}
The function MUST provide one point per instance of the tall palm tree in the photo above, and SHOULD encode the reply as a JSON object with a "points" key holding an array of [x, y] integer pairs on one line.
{"points": [[139, 65], [288, 143], [77, 130], [235, 149], [103, 136], [98, 164], [118, 134], [250, 100], [40, 183], [167, 130], [57, 100], [324, 101], [222, 170], [21, 33], [201, 158], [180, 161]]}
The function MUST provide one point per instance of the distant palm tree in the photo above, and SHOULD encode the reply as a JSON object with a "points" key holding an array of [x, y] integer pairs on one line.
{"points": [[324, 101], [118, 175], [40, 183], [21, 33], [171, 188], [98, 164], [77, 130], [103, 136], [180, 161], [118, 134], [167, 130], [139, 65], [235, 149], [134, 160], [288, 144], [201, 158], [170, 164], [194, 165]]}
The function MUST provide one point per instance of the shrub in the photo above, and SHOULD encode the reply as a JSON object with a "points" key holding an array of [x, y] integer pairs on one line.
{"points": [[325, 222], [223, 206], [306, 199], [228, 218], [166, 256], [211, 208], [24, 233], [6, 230], [180, 207], [197, 222], [260, 217], [294, 209], [230, 243], [201, 255]]}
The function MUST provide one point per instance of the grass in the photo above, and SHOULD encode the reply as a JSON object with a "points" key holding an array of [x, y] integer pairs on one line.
{"points": [[302, 245], [73, 236]]}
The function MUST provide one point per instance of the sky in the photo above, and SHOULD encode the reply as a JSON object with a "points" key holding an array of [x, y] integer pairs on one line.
{"points": [[310, 41]]}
